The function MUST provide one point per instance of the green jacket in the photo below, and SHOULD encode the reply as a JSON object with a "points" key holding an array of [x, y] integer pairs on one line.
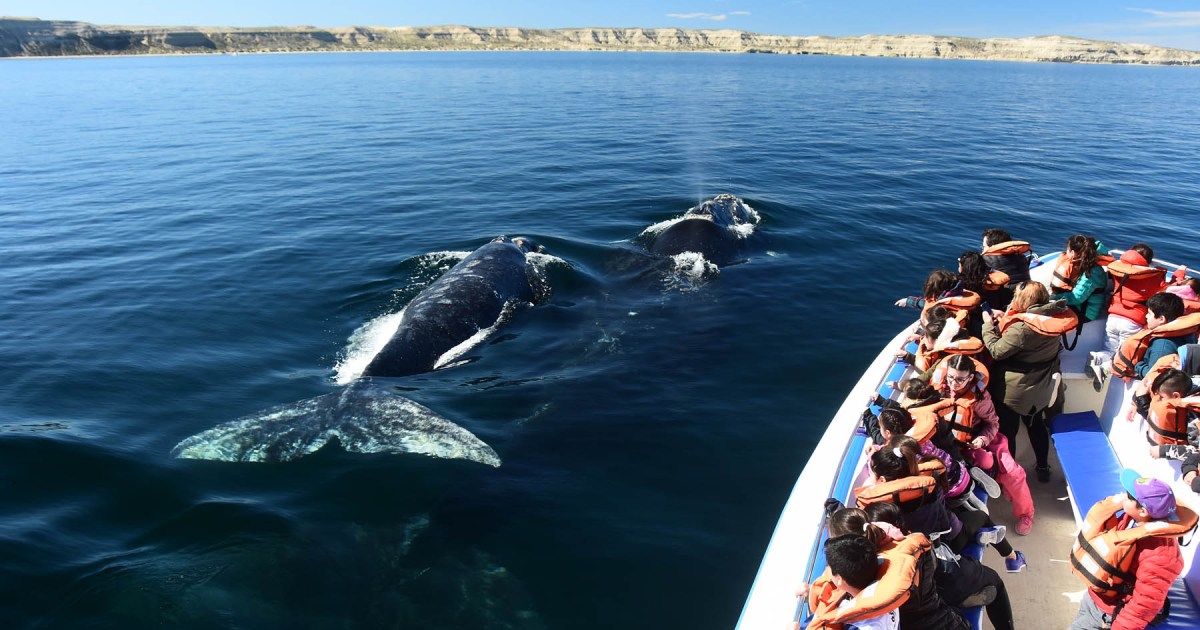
{"points": [[1025, 362], [1088, 296]]}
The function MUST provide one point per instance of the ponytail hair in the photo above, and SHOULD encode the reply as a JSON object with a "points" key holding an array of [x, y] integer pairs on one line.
{"points": [[886, 512], [897, 421], [853, 521], [1084, 247], [892, 462]]}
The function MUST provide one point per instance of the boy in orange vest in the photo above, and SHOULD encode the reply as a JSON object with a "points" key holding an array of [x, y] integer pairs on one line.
{"points": [[1156, 561]]}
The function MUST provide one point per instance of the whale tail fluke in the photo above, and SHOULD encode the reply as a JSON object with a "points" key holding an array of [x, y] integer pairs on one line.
{"points": [[364, 417]]}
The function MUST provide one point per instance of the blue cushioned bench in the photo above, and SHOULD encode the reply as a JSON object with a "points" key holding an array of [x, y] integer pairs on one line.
{"points": [[1093, 472]]}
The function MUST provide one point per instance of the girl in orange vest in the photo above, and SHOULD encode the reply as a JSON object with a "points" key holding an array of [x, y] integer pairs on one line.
{"points": [[1080, 278], [958, 378], [962, 581]]}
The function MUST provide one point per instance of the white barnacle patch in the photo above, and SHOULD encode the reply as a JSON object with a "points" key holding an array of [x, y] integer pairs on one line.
{"points": [[364, 344]]}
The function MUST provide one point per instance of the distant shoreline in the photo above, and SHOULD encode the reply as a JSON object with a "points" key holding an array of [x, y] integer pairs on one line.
{"points": [[33, 38]]}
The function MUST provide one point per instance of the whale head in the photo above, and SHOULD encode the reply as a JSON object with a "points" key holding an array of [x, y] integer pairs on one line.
{"points": [[725, 210], [528, 245]]}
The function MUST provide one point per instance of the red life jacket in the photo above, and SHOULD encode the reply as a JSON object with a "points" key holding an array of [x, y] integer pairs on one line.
{"points": [[1102, 555], [1134, 347], [1134, 285]]}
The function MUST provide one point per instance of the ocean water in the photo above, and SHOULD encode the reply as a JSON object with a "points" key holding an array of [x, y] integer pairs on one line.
{"points": [[188, 240]]}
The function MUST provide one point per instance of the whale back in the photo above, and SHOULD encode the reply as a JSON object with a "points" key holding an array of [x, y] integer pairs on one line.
{"points": [[469, 298]]}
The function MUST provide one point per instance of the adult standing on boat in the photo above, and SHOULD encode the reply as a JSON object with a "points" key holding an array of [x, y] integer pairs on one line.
{"points": [[1024, 343]]}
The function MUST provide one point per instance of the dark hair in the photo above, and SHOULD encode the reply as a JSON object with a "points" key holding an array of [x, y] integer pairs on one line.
{"points": [[853, 521], [1171, 382], [973, 272], [917, 389], [938, 283], [886, 512], [934, 327], [941, 311], [1145, 250], [1084, 247], [961, 362], [897, 421], [1166, 305], [852, 558], [886, 464], [992, 236]]}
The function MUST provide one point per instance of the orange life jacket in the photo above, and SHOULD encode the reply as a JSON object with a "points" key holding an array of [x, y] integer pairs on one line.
{"points": [[1059, 323], [938, 378], [995, 281], [925, 422], [1007, 247], [909, 493], [935, 469], [959, 413], [896, 580], [1134, 347], [960, 305], [1168, 419], [1164, 363], [1064, 269], [1102, 555], [926, 357]]}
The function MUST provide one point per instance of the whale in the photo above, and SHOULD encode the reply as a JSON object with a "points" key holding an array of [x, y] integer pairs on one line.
{"points": [[470, 301], [716, 229], [475, 295]]}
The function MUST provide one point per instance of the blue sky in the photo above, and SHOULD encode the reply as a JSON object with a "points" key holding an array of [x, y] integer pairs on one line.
{"points": [[1173, 23]]}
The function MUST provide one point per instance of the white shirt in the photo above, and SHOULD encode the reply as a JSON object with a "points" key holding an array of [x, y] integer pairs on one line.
{"points": [[886, 621]]}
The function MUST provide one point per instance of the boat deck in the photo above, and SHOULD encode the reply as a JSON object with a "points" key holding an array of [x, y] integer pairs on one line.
{"points": [[1046, 594]]}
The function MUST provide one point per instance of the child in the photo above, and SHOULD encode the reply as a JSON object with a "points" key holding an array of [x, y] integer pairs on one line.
{"points": [[896, 479], [1135, 282], [963, 380], [1162, 309], [925, 608], [962, 581], [1080, 278], [1136, 533], [1170, 421], [853, 598]]}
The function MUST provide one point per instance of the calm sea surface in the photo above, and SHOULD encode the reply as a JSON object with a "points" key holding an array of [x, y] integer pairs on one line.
{"points": [[187, 240]]}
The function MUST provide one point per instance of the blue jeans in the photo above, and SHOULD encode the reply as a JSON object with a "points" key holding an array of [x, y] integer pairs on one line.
{"points": [[1090, 617]]}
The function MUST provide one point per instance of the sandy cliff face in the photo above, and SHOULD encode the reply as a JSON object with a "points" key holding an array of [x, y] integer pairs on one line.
{"points": [[31, 37]]}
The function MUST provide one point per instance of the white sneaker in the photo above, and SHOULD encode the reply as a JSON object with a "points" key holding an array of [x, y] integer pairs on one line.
{"points": [[986, 482]]}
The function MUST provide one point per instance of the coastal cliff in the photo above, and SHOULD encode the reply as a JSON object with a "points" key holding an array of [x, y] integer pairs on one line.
{"points": [[31, 37]]}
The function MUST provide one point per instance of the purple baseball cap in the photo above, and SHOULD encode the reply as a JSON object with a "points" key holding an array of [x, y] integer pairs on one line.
{"points": [[1154, 495]]}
